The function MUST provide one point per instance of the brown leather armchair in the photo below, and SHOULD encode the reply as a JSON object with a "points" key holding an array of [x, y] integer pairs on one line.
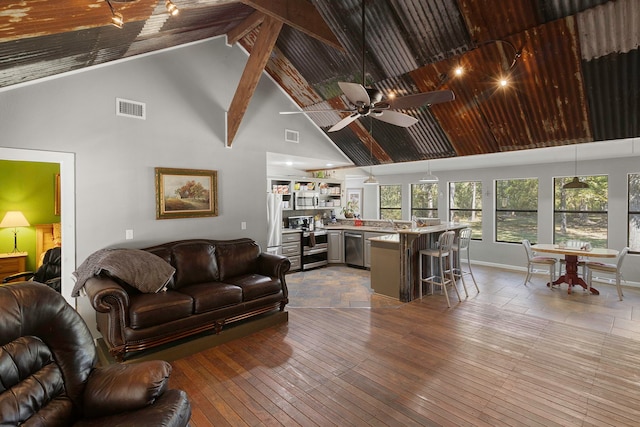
{"points": [[48, 373]]}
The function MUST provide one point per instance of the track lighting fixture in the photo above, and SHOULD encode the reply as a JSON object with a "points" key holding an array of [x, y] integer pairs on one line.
{"points": [[117, 20], [171, 8]]}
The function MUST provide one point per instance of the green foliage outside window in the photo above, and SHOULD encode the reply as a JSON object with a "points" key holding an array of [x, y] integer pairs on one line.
{"points": [[582, 214], [516, 210], [391, 202], [424, 200], [465, 205]]}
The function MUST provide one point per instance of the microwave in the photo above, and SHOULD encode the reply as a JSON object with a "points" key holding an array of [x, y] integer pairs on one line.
{"points": [[305, 200]]}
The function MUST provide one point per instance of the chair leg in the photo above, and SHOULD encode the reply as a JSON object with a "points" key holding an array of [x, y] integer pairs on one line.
{"points": [[526, 280], [471, 273], [618, 286], [420, 282]]}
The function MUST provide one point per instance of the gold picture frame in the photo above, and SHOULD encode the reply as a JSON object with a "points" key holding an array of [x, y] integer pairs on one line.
{"points": [[186, 193]]}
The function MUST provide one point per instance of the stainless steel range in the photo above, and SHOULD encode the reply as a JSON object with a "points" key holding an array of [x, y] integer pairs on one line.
{"points": [[314, 249]]}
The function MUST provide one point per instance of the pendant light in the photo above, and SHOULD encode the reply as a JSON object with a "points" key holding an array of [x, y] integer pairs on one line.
{"points": [[371, 180], [429, 177], [575, 183]]}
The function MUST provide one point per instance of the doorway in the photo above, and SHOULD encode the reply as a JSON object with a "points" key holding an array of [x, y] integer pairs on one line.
{"points": [[67, 203]]}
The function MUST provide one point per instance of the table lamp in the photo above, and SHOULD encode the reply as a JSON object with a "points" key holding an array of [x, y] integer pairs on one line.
{"points": [[14, 219]]}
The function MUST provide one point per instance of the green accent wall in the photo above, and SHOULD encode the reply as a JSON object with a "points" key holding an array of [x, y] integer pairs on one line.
{"points": [[28, 187]]}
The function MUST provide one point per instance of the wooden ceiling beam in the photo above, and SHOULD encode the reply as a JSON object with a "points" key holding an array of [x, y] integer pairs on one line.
{"points": [[260, 54], [299, 14], [245, 27]]}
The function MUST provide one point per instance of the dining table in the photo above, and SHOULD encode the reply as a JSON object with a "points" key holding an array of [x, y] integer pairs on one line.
{"points": [[571, 255]]}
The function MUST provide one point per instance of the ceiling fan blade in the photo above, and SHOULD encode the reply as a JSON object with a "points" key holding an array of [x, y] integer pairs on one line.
{"points": [[355, 93], [396, 118], [315, 111], [419, 99], [344, 122]]}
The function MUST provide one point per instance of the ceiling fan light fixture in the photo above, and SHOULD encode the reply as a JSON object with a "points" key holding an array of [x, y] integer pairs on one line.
{"points": [[171, 8]]}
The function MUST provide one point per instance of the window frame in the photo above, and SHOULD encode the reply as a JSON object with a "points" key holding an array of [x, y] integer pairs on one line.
{"points": [[434, 210], [561, 180], [497, 209], [382, 208], [451, 209], [631, 213]]}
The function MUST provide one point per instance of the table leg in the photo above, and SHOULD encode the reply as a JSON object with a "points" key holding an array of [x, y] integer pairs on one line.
{"points": [[571, 277]]}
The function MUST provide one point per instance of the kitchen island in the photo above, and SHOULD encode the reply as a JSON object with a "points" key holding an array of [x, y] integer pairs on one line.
{"points": [[397, 256]]}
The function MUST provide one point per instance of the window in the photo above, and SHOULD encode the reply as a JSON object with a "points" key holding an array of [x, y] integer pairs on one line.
{"points": [[390, 202], [424, 200], [633, 239], [465, 205], [581, 214], [516, 210]]}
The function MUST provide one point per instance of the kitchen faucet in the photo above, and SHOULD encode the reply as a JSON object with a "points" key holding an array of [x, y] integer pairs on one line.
{"points": [[393, 224]]}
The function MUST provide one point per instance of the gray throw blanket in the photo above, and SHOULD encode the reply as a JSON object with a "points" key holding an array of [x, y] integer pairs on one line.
{"points": [[141, 269]]}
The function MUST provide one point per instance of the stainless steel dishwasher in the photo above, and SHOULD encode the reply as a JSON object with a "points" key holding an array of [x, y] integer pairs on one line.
{"points": [[354, 248]]}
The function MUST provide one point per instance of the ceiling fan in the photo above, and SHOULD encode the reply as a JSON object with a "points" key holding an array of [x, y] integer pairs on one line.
{"points": [[369, 101]]}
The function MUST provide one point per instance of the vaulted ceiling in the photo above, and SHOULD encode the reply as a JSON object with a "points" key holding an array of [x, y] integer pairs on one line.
{"points": [[574, 80]]}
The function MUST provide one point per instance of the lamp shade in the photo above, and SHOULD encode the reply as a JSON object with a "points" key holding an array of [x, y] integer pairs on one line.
{"points": [[429, 178], [575, 184], [14, 219]]}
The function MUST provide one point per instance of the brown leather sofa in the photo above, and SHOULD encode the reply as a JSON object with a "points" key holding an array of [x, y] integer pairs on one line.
{"points": [[216, 282], [48, 374]]}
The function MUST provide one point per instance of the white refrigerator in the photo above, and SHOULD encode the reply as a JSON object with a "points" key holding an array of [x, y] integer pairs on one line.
{"points": [[274, 223]]}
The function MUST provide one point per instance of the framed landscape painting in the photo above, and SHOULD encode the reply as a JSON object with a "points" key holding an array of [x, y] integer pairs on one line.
{"points": [[186, 193]]}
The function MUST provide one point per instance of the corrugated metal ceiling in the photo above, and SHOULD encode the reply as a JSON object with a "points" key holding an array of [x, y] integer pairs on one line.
{"points": [[575, 81]]}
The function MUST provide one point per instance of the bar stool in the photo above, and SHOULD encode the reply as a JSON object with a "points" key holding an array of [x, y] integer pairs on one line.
{"points": [[459, 248], [443, 253]]}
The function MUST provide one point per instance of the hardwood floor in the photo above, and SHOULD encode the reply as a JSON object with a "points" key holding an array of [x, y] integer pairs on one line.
{"points": [[510, 355]]}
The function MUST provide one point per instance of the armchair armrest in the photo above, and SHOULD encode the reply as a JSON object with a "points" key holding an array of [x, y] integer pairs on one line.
{"points": [[24, 275], [120, 388]]}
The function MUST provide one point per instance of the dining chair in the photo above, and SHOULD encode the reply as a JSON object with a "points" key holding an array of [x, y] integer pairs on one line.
{"points": [[444, 277], [460, 248], [614, 269], [533, 260]]}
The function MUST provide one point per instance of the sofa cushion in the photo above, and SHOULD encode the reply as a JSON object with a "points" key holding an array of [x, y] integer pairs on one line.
{"points": [[195, 262], [212, 295], [237, 259], [256, 286], [147, 310]]}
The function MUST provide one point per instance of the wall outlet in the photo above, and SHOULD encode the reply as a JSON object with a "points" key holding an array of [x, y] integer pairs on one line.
{"points": [[128, 234], [243, 225]]}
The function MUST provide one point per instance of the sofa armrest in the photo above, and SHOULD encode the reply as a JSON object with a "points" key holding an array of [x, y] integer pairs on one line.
{"points": [[121, 388], [273, 265], [106, 295]]}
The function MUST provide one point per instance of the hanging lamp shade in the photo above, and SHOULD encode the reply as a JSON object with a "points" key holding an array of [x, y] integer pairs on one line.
{"points": [[371, 180], [575, 183], [429, 177]]}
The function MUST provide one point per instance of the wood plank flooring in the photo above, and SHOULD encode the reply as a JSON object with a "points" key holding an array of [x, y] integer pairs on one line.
{"points": [[511, 355]]}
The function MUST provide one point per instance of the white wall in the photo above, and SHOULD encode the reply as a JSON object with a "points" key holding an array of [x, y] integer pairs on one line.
{"points": [[187, 91], [512, 255]]}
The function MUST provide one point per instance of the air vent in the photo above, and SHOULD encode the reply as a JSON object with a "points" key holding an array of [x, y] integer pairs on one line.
{"points": [[291, 136], [127, 108]]}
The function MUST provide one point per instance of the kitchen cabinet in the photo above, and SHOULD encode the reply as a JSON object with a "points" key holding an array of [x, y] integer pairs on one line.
{"points": [[284, 188], [367, 245], [336, 248], [291, 248], [327, 193]]}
